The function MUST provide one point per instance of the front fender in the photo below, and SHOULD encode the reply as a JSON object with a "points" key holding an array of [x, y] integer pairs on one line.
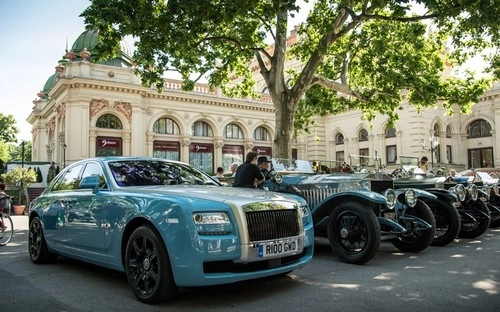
{"points": [[443, 194], [366, 197], [418, 192]]}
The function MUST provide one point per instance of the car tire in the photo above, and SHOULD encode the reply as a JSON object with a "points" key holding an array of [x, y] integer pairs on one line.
{"points": [[147, 266], [417, 241], [37, 246], [476, 220], [354, 233], [447, 221]]}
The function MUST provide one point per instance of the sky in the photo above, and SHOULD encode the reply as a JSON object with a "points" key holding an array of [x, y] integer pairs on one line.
{"points": [[34, 35]]}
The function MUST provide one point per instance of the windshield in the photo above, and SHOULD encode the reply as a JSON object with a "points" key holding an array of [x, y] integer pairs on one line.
{"points": [[409, 163], [146, 172], [292, 165]]}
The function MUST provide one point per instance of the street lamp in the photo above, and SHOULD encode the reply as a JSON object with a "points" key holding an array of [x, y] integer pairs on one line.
{"points": [[22, 153], [64, 155], [434, 145]]}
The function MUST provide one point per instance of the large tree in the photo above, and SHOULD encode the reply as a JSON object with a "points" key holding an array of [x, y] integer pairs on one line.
{"points": [[362, 55]]}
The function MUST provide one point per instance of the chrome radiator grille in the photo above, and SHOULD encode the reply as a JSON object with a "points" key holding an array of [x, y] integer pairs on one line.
{"points": [[314, 197], [272, 224]]}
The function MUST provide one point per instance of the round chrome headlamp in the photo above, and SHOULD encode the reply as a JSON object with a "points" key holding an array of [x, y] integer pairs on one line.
{"points": [[278, 178], [410, 198], [390, 198], [472, 191], [459, 190]]}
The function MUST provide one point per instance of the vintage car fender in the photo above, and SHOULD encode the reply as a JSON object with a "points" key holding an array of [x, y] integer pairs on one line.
{"points": [[323, 209], [443, 194], [419, 193]]}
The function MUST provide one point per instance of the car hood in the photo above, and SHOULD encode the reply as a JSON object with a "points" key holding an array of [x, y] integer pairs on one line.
{"points": [[237, 195], [322, 178], [313, 181]]}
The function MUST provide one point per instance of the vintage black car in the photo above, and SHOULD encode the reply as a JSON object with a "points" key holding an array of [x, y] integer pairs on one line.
{"points": [[489, 193], [474, 214], [442, 204], [356, 213]]}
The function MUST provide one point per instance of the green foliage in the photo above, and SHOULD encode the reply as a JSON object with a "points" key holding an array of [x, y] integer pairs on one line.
{"points": [[4, 153], [18, 175], [367, 56], [8, 130], [21, 177], [16, 151]]}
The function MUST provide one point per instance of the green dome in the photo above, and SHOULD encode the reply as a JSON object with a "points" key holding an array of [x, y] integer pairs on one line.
{"points": [[89, 40], [48, 85]]}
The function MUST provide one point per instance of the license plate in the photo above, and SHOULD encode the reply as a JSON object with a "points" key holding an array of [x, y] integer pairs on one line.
{"points": [[278, 248], [391, 215]]}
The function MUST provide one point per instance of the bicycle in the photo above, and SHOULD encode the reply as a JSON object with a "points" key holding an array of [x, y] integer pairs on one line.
{"points": [[6, 224]]}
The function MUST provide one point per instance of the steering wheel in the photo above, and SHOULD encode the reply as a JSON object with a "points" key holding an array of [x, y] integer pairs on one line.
{"points": [[400, 173]]}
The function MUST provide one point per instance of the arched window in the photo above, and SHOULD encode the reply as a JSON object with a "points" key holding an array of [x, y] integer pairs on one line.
{"points": [[261, 134], [166, 126], [448, 131], [233, 131], [201, 128], [437, 130], [390, 132], [363, 135], [479, 128], [339, 139], [109, 121]]}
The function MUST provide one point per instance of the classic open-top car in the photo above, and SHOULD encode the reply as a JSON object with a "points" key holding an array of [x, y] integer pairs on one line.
{"points": [[356, 212], [167, 225], [474, 214], [488, 187], [442, 204]]}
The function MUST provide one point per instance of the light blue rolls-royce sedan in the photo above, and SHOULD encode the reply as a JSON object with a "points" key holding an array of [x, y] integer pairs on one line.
{"points": [[167, 225]]}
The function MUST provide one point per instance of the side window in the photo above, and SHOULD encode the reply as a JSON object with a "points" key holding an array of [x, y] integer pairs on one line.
{"points": [[70, 180], [95, 169]]}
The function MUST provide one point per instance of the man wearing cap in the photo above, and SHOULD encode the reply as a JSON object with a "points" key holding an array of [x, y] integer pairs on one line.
{"points": [[248, 173], [263, 164]]}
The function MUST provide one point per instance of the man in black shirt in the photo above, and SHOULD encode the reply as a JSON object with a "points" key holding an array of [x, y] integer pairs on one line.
{"points": [[248, 174]]}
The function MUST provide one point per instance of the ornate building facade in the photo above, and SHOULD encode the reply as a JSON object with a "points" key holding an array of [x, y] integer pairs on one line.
{"points": [[91, 109]]}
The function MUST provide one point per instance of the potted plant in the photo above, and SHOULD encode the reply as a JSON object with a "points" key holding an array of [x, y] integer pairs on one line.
{"points": [[19, 178]]}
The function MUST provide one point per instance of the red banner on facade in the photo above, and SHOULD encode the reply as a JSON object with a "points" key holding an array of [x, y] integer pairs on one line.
{"points": [[201, 148], [103, 142]]}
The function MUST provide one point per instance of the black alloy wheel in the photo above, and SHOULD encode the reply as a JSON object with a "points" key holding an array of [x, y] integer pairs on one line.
{"points": [[147, 266]]}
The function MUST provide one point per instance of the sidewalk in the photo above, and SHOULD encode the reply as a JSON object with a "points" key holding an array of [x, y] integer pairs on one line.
{"points": [[20, 222]]}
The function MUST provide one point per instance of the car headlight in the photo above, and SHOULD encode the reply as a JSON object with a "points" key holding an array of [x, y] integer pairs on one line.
{"points": [[410, 198], [472, 191], [278, 178], [212, 223], [305, 214], [459, 190], [390, 197]]}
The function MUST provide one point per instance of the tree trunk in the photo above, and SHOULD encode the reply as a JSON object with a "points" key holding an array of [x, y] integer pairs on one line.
{"points": [[284, 114]]}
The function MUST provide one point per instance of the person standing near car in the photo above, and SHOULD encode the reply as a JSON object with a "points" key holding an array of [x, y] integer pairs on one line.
{"points": [[263, 164], [219, 174], [424, 164], [248, 174]]}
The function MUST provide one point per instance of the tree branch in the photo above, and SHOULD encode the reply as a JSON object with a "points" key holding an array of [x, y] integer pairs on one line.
{"points": [[336, 86]]}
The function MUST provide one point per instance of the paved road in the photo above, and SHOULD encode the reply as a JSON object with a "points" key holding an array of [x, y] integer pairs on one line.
{"points": [[463, 276]]}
